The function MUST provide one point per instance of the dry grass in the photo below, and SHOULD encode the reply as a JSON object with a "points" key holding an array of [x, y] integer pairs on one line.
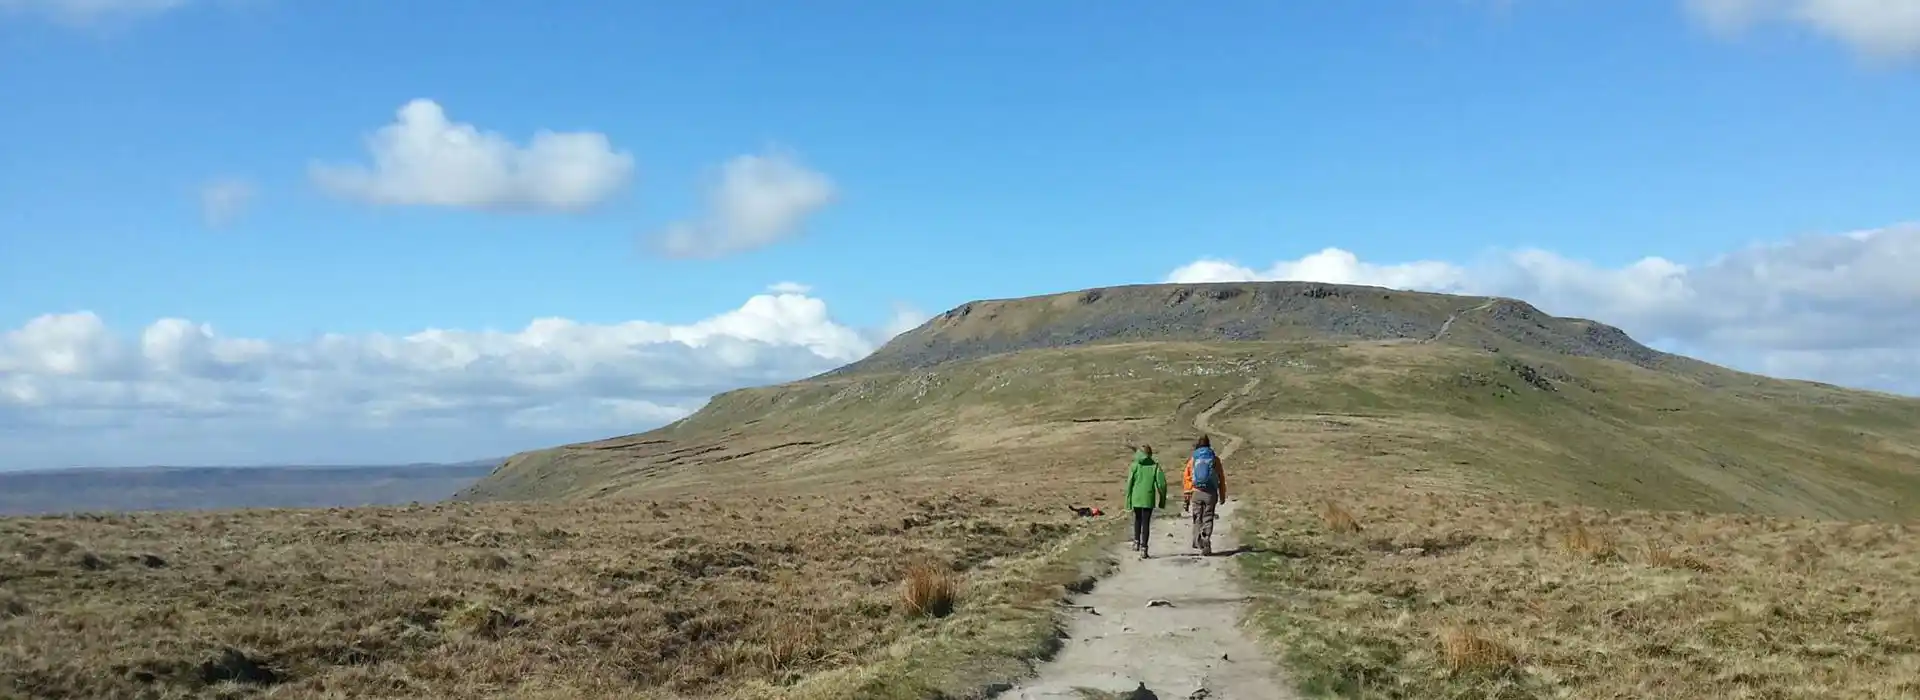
{"points": [[1582, 542], [1672, 558], [1523, 516], [11, 605], [929, 591], [760, 549], [1534, 599], [757, 553], [1338, 519], [691, 597], [1465, 650]]}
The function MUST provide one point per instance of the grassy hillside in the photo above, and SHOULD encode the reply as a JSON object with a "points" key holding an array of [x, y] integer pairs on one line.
{"points": [[1583, 430], [1003, 423], [1570, 499], [1498, 392]]}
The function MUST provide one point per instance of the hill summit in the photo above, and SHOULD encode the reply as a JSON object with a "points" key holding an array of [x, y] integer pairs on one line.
{"points": [[1248, 311]]}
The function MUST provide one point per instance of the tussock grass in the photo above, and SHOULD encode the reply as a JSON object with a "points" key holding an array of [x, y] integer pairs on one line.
{"points": [[930, 590], [490, 561], [1672, 558], [1465, 650], [1338, 519], [478, 619], [1579, 541]]}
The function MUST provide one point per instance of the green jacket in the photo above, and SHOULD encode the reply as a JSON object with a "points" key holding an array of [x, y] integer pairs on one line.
{"points": [[1146, 483]]}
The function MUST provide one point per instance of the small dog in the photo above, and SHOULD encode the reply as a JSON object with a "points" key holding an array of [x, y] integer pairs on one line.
{"points": [[1086, 511]]}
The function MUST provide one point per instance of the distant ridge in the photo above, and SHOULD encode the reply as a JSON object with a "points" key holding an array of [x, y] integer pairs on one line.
{"points": [[109, 489], [489, 462]]}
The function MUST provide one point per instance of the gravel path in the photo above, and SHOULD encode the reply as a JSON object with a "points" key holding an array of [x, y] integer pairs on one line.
{"points": [[1169, 624]]}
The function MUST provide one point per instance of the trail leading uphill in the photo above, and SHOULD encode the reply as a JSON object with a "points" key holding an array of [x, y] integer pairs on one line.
{"points": [[1192, 648]]}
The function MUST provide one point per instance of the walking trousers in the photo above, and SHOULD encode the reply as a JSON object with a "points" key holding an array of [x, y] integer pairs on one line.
{"points": [[1203, 515], [1142, 523]]}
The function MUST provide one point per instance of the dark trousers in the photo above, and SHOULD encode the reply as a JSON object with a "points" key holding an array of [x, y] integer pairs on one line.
{"points": [[1142, 523]]}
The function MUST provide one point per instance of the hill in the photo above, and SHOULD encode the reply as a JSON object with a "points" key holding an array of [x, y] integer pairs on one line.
{"points": [[1428, 473], [1419, 474], [206, 488], [1267, 311], [1491, 392]]}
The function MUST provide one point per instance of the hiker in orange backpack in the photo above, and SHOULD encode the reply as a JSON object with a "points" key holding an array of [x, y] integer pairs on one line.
{"points": [[1205, 488]]}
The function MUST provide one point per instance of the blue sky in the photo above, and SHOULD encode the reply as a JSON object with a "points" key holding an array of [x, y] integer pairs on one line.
{"points": [[215, 162]]}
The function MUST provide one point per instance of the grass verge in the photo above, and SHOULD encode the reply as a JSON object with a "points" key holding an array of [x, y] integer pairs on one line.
{"points": [[1479, 597], [1003, 626]]}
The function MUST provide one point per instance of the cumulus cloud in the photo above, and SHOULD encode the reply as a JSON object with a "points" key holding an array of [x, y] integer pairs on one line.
{"points": [[1331, 265], [1879, 28], [904, 318], [1842, 308], [756, 201], [74, 391], [425, 159], [224, 201]]}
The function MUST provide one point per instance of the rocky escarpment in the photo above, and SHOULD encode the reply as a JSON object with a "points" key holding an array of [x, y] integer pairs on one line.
{"points": [[1248, 311]]}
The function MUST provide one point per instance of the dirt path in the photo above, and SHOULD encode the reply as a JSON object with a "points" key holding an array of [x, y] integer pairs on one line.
{"points": [[1204, 421], [1192, 647], [1455, 316]]}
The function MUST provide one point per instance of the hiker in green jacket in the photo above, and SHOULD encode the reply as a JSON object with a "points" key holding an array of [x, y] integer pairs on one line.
{"points": [[1146, 490]]}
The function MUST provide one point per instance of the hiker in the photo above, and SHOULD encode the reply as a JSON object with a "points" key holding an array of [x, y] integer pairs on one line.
{"points": [[1205, 489], [1146, 490]]}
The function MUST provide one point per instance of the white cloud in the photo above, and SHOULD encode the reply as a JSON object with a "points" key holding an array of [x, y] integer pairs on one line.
{"points": [[1841, 308], [904, 318], [425, 159], [74, 391], [789, 288], [1329, 265], [756, 201], [1878, 28], [224, 201]]}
